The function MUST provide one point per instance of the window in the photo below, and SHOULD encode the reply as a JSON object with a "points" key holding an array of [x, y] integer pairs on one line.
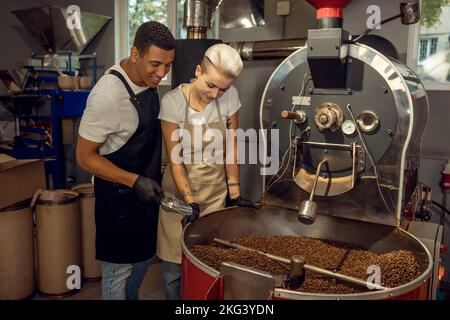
{"points": [[163, 11], [427, 48], [432, 44], [140, 11], [132, 13], [423, 49]]}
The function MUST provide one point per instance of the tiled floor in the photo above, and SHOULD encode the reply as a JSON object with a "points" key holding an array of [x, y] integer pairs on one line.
{"points": [[151, 289]]}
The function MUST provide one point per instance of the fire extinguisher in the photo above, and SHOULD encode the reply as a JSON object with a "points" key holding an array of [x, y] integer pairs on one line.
{"points": [[445, 180]]}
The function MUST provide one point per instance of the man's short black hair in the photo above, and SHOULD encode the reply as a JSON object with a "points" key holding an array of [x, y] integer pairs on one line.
{"points": [[153, 33]]}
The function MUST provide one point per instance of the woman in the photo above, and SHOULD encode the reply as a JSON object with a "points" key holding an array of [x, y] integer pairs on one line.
{"points": [[194, 118]]}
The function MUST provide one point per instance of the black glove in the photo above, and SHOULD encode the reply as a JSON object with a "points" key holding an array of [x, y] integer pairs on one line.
{"points": [[194, 216], [147, 189], [241, 202]]}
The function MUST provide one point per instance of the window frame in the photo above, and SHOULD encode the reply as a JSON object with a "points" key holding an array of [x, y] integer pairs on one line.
{"points": [[121, 31], [413, 57]]}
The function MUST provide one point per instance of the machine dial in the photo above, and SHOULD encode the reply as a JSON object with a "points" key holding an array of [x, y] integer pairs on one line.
{"points": [[348, 127], [328, 116]]}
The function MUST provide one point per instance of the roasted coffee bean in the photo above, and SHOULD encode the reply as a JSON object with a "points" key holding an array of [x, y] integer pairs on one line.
{"points": [[396, 268]]}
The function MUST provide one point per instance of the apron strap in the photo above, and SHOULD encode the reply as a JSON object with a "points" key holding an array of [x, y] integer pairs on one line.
{"points": [[133, 98], [187, 108], [220, 114]]}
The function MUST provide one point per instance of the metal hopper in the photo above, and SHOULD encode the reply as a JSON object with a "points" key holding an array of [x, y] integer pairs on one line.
{"points": [[62, 29]]}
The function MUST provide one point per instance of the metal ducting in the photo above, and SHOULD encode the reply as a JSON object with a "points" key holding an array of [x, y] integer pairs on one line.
{"points": [[49, 26], [272, 49], [197, 17], [242, 14]]}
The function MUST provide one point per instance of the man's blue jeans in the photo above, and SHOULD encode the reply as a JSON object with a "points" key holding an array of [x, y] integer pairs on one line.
{"points": [[122, 281], [172, 279]]}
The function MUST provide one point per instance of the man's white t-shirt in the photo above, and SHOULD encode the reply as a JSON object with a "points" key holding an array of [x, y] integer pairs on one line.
{"points": [[173, 106], [110, 117]]}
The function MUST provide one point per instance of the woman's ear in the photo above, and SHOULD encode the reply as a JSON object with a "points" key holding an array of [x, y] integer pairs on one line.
{"points": [[198, 71]]}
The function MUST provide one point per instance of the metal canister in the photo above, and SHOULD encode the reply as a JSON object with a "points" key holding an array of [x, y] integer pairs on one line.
{"points": [[91, 268], [58, 242], [16, 252]]}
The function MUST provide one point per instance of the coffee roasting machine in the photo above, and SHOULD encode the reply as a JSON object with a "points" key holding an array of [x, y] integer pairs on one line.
{"points": [[350, 123], [46, 106]]}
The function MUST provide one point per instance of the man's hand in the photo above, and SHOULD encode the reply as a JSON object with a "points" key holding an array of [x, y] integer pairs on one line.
{"points": [[194, 216], [148, 190], [241, 202]]}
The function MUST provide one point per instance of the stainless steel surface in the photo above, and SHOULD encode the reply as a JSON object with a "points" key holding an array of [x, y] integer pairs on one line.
{"points": [[378, 84], [49, 26], [431, 234], [307, 212], [296, 272], [242, 14], [198, 14], [245, 283], [238, 222], [273, 49]]}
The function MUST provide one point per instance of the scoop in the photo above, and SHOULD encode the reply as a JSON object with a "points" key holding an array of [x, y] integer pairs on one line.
{"points": [[175, 205]]}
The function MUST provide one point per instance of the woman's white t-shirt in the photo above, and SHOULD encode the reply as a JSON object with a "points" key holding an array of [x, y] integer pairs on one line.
{"points": [[173, 106]]}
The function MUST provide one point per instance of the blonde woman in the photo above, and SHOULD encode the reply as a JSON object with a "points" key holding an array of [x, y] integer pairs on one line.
{"points": [[194, 117]]}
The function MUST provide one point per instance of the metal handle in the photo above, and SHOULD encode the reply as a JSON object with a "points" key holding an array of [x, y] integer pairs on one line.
{"points": [[319, 167], [298, 116], [308, 208]]}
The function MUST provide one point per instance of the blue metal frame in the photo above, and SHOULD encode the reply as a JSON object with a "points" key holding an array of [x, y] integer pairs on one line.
{"points": [[64, 104]]}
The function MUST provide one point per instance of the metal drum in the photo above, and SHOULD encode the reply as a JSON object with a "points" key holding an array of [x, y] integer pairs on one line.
{"points": [[202, 282], [58, 241], [16, 252], [91, 268]]}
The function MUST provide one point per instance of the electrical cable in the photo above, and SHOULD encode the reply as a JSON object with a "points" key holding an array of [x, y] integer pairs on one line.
{"points": [[440, 206], [292, 140], [372, 161]]}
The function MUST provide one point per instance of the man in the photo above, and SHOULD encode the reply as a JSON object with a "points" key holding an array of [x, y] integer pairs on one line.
{"points": [[120, 144]]}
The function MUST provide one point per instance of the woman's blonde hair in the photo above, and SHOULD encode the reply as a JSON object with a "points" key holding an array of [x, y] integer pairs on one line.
{"points": [[224, 58]]}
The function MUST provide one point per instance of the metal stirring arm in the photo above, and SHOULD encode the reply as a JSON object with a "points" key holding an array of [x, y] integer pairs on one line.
{"points": [[331, 274]]}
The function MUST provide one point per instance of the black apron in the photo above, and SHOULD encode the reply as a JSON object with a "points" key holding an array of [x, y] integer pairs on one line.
{"points": [[126, 227]]}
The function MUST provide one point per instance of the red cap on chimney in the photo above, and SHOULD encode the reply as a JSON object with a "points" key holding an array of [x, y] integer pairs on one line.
{"points": [[329, 8]]}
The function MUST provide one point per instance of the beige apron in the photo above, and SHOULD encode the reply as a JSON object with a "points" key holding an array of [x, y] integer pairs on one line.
{"points": [[208, 185]]}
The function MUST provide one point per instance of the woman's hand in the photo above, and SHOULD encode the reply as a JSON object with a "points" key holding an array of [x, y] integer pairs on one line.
{"points": [[242, 202]]}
